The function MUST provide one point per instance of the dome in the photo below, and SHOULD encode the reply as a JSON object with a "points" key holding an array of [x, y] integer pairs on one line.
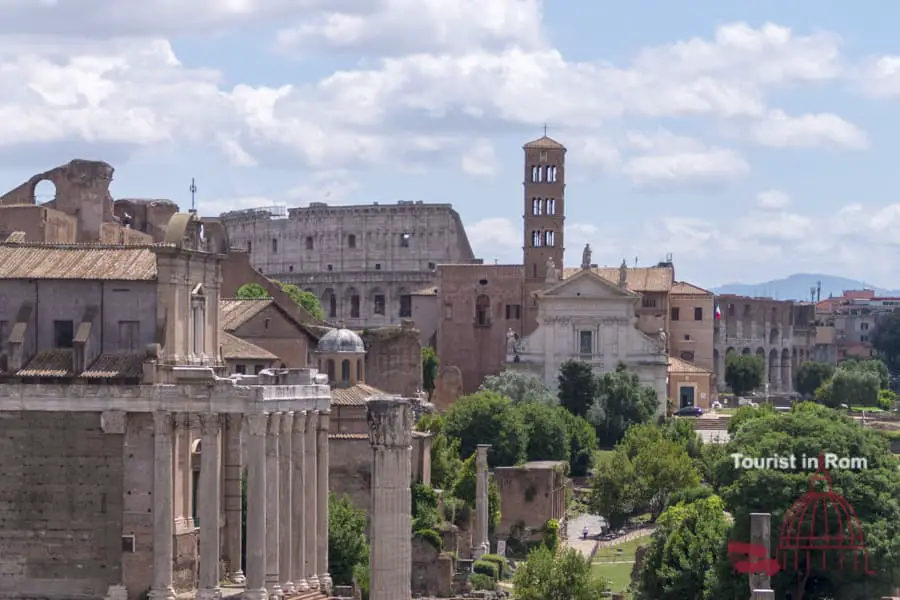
{"points": [[341, 340]]}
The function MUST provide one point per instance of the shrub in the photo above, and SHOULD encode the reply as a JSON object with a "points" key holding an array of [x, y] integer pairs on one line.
{"points": [[481, 582], [500, 561], [425, 514], [486, 567], [361, 579], [886, 399], [432, 537], [550, 537]]}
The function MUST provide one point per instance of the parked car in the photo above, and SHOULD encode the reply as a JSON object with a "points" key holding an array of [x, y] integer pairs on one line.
{"points": [[689, 411]]}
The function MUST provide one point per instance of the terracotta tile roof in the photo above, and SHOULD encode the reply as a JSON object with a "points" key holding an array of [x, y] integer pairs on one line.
{"points": [[638, 279], [234, 348], [120, 365], [49, 363], [429, 291], [677, 365], [354, 395], [545, 143], [683, 288], [91, 262], [234, 312]]}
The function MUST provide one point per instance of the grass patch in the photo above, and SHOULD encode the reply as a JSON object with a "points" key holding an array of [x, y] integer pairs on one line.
{"points": [[619, 575], [616, 566], [611, 553], [869, 409]]}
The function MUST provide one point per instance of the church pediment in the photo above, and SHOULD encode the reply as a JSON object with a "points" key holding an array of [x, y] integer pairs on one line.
{"points": [[586, 284]]}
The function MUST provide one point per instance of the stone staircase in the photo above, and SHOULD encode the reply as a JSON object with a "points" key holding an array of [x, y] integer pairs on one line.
{"points": [[711, 424]]}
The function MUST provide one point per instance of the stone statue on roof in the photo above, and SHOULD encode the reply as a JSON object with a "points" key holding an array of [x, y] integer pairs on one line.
{"points": [[623, 274], [552, 275], [586, 257]]}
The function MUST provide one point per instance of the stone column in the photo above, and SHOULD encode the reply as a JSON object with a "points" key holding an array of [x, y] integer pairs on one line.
{"points": [[761, 535], [310, 500], [298, 505], [256, 507], [322, 501], [285, 487], [390, 560], [481, 542], [208, 509], [163, 513], [273, 514], [181, 438], [233, 501], [187, 475], [788, 372]]}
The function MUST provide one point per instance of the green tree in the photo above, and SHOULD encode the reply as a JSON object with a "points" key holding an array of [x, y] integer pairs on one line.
{"points": [[615, 491], [488, 418], [854, 387], [874, 493], [424, 507], [445, 461], [683, 554], [872, 365], [465, 486], [521, 387], [563, 576], [347, 545], [548, 432], [622, 401], [811, 375], [583, 444], [577, 387], [886, 340], [251, 291], [430, 366], [744, 372], [305, 300]]}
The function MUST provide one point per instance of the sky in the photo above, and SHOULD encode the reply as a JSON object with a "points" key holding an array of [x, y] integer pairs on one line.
{"points": [[749, 139]]}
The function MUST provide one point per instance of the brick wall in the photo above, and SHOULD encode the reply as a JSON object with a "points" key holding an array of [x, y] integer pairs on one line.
{"points": [[61, 506]]}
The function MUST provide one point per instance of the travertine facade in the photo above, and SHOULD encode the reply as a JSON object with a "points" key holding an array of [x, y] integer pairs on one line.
{"points": [[783, 333], [363, 262], [109, 369], [390, 433]]}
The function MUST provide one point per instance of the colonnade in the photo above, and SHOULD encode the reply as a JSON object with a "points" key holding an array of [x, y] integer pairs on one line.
{"points": [[287, 502]]}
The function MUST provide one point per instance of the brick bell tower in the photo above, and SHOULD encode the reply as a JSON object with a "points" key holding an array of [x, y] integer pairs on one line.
{"points": [[544, 216]]}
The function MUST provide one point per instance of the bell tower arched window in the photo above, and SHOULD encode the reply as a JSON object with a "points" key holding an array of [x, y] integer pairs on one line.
{"points": [[536, 239], [483, 310]]}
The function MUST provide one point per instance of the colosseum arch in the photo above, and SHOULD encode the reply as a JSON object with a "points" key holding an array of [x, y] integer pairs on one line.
{"points": [[786, 375], [377, 301], [774, 367], [351, 303], [329, 303]]}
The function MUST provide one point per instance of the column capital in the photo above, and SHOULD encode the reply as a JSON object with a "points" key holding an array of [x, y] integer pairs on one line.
{"points": [[233, 420], [274, 424], [287, 422], [162, 423], [299, 425], [257, 423], [390, 422], [209, 422]]}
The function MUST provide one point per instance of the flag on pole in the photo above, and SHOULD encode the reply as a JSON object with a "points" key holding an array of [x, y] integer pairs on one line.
{"points": [[718, 313]]}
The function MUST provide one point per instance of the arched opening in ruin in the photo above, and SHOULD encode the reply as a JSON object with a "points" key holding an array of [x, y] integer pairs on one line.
{"points": [[44, 191]]}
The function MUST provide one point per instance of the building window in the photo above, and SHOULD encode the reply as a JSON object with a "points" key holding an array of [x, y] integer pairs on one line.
{"points": [[359, 375], [274, 246], [329, 365], [257, 369], [405, 305], [731, 310], [354, 306], [63, 334], [864, 338], [198, 317], [648, 302], [448, 311], [332, 306], [379, 304], [377, 266], [330, 268], [309, 242], [240, 369], [351, 241], [585, 342], [551, 206], [291, 269], [266, 323], [698, 313], [482, 311], [687, 337], [513, 311], [249, 247], [129, 336], [345, 371], [404, 240], [432, 266], [675, 313], [864, 326], [550, 239], [537, 206], [536, 239]]}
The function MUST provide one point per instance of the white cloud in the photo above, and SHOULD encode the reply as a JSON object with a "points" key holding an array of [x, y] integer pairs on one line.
{"points": [[496, 238], [773, 199], [331, 187], [779, 130], [709, 169], [880, 77], [480, 160]]}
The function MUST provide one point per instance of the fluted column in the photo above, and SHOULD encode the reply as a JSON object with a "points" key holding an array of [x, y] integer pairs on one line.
{"points": [[209, 495], [310, 500], [187, 474], [322, 505], [180, 438], [257, 426], [163, 514], [285, 487], [390, 560], [481, 542], [273, 514], [233, 497], [298, 504]]}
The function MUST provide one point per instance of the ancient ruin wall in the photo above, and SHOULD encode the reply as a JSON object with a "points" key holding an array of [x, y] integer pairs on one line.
{"points": [[394, 359]]}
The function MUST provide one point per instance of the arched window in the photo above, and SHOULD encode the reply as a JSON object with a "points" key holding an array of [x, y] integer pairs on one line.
{"points": [[551, 206], [359, 375], [345, 371], [534, 174], [483, 310], [549, 177], [330, 365], [550, 238], [536, 239]]}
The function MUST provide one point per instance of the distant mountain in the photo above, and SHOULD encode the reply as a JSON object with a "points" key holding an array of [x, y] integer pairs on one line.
{"points": [[796, 287]]}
